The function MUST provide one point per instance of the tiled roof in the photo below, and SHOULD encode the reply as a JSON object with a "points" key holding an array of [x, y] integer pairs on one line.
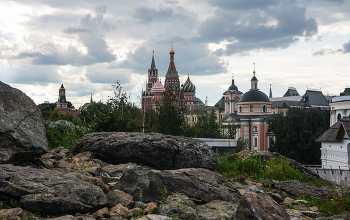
{"points": [[334, 133]]}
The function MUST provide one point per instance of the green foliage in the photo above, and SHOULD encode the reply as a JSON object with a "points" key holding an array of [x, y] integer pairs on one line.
{"points": [[163, 191], [16, 203], [3, 205], [207, 125], [117, 114], [170, 120], [332, 206], [250, 166], [46, 109], [63, 133], [150, 121], [242, 144], [296, 133]]}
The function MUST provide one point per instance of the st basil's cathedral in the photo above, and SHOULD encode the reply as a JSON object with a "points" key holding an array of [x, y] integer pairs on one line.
{"points": [[153, 94]]}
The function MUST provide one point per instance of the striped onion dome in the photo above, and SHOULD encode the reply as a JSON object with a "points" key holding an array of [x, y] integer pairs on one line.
{"points": [[189, 86], [158, 87]]}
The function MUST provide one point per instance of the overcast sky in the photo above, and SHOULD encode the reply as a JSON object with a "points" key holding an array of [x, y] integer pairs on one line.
{"points": [[88, 45]]}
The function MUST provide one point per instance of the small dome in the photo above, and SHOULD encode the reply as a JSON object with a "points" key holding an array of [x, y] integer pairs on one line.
{"points": [[172, 51], [233, 86], [254, 96], [158, 87], [189, 86]]}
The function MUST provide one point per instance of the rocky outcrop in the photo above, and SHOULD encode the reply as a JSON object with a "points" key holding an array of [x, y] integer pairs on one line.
{"points": [[201, 185], [295, 187], [22, 130], [155, 150], [49, 191], [180, 206], [256, 206], [217, 210]]}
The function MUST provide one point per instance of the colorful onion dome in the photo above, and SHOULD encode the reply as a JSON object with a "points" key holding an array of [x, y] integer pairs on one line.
{"points": [[158, 87], [189, 86]]}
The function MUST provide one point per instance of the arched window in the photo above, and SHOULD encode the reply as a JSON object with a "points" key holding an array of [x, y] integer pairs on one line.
{"points": [[251, 108], [339, 117], [240, 109], [264, 108], [255, 128]]}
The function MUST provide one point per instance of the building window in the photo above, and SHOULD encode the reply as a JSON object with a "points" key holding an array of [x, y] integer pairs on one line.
{"points": [[251, 108], [339, 117], [255, 128], [264, 109], [255, 142], [240, 109]]}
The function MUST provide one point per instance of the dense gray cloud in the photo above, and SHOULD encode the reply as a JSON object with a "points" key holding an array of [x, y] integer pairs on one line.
{"points": [[277, 26], [89, 33], [33, 74], [346, 47]]}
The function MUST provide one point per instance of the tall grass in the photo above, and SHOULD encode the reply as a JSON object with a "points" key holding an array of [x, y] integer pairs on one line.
{"points": [[250, 166]]}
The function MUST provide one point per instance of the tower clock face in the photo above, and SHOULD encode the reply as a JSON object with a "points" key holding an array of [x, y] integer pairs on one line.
{"points": [[150, 84]]}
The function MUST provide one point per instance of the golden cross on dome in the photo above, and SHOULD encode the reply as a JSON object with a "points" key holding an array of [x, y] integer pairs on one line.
{"points": [[254, 69], [188, 71]]}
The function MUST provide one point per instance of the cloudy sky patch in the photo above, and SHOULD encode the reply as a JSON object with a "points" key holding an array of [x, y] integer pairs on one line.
{"points": [[88, 45]]}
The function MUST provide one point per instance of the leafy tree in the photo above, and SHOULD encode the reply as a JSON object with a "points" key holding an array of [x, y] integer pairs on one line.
{"points": [[296, 133], [70, 105], [207, 125], [242, 144], [117, 114], [170, 120], [46, 109], [55, 115], [150, 121]]}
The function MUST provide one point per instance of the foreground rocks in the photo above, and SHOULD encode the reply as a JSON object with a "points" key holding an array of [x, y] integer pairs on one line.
{"points": [[49, 191], [22, 130], [81, 187], [158, 151]]}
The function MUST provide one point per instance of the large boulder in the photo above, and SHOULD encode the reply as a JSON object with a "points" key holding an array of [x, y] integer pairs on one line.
{"points": [[259, 206], [201, 185], [158, 151], [49, 191], [22, 130]]}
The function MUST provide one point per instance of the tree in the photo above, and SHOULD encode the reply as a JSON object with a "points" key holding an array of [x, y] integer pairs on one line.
{"points": [[170, 120], [296, 133], [117, 114], [207, 125], [46, 109]]}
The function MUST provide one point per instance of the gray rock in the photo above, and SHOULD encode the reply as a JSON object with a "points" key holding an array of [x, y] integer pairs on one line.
{"points": [[49, 191], [158, 151], [217, 210], [259, 206], [295, 187], [116, 196], [22, 130], [201, 185], [179, 206]]}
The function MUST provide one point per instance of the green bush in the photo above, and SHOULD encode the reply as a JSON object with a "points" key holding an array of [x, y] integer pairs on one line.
{"points": [[63, 133], [250, 166]]}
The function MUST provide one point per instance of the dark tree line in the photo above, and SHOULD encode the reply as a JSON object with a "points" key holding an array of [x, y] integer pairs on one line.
{"points": [[296, 134]]}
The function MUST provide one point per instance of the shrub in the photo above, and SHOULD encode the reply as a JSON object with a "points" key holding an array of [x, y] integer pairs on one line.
{"points": [[63, 133], [250, 166]]}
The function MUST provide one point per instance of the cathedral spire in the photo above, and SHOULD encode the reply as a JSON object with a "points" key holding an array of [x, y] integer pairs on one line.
{"points": [[254, 80], [270, 95]]}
